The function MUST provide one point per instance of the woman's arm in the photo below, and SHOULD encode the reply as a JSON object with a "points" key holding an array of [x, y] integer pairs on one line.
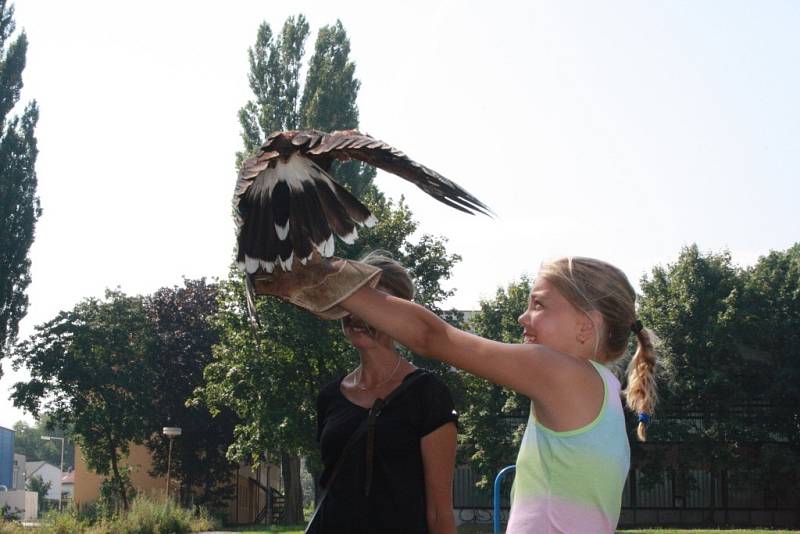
{"points": [[438, 460], [532, 370]]}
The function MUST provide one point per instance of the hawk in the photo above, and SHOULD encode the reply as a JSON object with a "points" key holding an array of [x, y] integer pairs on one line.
{"points": [[288, 207]]}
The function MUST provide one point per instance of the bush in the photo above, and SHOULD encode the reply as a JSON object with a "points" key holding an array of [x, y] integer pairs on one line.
{"points": [[146, 516], [11, 527], [66, 522]]}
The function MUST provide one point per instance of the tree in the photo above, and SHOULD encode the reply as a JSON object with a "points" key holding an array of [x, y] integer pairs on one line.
{"points": [[729, 334], [271, 384], [28, 441], [89, 369], [19, 205], [37, 484], [181, 318], [274, 79], [493, 419], [692, 305], [770, 339], [327, 101]]}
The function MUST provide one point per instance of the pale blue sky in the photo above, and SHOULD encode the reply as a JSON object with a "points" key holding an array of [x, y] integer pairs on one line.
{"points": [[622, 130]]}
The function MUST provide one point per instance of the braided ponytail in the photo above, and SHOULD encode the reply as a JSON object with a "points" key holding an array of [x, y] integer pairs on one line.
{"points": [[641, 395]]}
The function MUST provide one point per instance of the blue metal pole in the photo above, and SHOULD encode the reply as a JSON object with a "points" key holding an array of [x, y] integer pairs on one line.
{"points": [[499, 478]]}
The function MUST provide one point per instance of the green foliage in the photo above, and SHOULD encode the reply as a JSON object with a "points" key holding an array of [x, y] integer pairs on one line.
{"points": [[272, 385], [181, 318], [146, 516], [274, 79], [91, 368], [19, 205], [494, 417], [730, 340], [8, 515], [38, 485], [62, 522], [328, 100], [28, 441]]}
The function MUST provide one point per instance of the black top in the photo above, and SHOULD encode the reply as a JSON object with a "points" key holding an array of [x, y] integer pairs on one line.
{"points": [[396, 501]]}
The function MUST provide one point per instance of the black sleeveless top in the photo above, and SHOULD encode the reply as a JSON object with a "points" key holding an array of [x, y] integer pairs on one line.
{"points": [[396, 501]]}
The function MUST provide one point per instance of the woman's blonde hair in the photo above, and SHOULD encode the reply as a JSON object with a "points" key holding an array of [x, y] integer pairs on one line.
{"points": [[394, 277], [594, 285]]}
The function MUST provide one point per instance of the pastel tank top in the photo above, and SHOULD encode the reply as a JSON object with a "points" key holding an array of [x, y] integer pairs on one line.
{"points": [[571, 482]]}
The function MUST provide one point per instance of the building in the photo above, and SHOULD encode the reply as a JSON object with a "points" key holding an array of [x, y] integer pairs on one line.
{"points": [[256, 496], [12, 479], [49, 473], [6, 457], [68, 485]]}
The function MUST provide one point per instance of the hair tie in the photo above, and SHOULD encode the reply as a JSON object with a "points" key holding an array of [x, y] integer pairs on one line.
{"points": [[637, 326], [644, 418]]}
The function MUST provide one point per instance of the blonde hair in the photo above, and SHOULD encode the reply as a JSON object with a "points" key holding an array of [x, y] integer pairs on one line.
{"points": [[594, 285], [394, 277]]}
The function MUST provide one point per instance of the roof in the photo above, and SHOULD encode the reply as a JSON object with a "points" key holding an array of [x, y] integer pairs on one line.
{"points": [[33, 467], [68, 478]]}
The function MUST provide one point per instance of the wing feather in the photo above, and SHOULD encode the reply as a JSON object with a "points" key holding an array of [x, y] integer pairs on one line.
{"points": [[354, 145]]}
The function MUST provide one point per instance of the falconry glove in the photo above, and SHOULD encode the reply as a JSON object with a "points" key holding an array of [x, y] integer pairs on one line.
{"points": [[320, 286]]}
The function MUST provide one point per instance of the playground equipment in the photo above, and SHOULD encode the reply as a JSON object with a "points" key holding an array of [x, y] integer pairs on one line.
{"points": [[496, 498]]}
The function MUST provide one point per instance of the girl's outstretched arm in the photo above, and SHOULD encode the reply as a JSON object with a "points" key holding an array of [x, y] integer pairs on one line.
{"points": [[532, 370]]}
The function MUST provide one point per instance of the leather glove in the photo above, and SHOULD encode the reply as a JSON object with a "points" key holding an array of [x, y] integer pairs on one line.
{"points": [[319, 286]]}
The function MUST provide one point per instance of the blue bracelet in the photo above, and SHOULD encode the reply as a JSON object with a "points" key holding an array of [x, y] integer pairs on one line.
{"points": [[644, 417]]}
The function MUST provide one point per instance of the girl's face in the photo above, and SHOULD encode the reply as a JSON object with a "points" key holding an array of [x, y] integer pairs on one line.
{"points": [[551, 320]]}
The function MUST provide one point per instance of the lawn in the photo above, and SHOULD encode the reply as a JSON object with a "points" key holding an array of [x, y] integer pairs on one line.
{"points": [[487, 529]]}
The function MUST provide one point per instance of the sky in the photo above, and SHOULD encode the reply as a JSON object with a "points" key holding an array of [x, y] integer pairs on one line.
{"points": [[622, 130]]}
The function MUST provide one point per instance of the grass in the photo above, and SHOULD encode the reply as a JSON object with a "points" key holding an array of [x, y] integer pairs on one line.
{"points": [[487, 529], [272, 530]]}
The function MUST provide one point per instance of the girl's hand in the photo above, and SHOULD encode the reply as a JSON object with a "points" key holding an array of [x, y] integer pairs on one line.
{"points": [[318, 286]]}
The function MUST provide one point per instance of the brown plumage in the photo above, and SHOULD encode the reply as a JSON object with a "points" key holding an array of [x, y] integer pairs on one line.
{"points": [[287, 206]]}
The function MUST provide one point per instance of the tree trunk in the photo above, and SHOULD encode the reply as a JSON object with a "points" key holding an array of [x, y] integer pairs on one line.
{"points": [[121, 490], [290, 469]]}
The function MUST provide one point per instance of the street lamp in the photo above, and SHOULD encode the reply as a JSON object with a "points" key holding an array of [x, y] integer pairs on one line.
{"points": [[61, 475], [171, 432]]}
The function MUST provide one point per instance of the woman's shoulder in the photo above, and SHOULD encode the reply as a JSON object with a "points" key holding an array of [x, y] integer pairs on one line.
{"points": [[330, 390], [428, 382]]}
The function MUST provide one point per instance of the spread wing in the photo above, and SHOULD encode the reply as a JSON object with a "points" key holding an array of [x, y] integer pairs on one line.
{"points": [[288, 207], [351, 144]]}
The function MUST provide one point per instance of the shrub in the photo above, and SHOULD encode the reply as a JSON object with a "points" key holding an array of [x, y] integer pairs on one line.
{"points": [[66, 522], [11, 527], [150, 516]]}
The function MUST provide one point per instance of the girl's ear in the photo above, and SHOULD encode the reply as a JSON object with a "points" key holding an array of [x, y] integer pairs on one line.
{"points": [[588, 325]]}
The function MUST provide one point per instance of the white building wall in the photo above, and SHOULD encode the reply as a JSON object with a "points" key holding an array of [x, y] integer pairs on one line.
{"points": [[24, 503], [49, 473]]}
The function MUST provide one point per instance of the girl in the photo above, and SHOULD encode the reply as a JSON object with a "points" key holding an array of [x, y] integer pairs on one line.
{"points": [[575, 455], [405, 485]]}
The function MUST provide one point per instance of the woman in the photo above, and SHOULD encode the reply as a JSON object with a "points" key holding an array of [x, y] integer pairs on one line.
{"points": [[405, 484]]}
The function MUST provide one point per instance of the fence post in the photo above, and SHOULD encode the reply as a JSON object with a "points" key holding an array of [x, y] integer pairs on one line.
{"points": [[496, 500]]}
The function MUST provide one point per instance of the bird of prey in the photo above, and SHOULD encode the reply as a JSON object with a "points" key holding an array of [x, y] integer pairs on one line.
{"points": [[288, 207]]}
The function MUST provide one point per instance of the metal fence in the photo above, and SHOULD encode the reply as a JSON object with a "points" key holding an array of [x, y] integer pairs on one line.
{"points": [[692, 497]]}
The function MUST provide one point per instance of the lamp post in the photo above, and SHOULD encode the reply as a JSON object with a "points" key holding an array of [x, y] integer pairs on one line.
{"points": [[171, 432], [61, 475]]}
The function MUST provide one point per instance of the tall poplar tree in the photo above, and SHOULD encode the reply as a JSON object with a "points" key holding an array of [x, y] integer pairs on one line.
{"points": [[272, 384], [19, 205]]}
